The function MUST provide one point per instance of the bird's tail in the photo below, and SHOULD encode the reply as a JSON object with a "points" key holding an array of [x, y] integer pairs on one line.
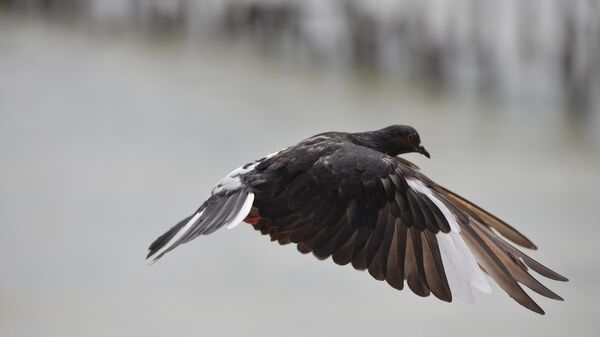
{"points": [[218, 211]]}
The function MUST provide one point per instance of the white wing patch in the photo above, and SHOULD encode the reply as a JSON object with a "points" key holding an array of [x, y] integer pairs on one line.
{"points": [[462, 271], [232, 181]]}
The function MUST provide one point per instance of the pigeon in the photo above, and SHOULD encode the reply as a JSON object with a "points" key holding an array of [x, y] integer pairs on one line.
{"points": [[349, 196]]}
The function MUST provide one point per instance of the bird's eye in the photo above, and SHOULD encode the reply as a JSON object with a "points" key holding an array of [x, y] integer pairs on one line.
{"points": [[409, 138]]}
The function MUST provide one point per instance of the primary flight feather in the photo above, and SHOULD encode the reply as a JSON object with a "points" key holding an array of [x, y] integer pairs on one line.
{"points": [[350, 197]]}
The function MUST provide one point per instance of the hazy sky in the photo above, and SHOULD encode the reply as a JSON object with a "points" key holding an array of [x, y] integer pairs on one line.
{"points": [[107, 142]]}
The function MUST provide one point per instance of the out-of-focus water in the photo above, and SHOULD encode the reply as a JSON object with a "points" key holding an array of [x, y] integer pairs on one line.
{"points": [[536, 52], [108, 140]]}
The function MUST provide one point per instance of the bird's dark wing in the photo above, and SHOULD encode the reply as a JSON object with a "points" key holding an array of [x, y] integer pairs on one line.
{"points": [[359, 206], [486, 218]]}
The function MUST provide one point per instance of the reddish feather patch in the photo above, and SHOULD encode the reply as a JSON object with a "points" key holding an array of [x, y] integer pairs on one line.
{"points": [[252, 218]]}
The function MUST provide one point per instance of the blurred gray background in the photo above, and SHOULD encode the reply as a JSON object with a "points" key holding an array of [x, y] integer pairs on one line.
{"points": [[118, 117]]}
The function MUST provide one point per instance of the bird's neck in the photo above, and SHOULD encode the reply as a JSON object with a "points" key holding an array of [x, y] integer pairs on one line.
{"points": [[377, 141]]}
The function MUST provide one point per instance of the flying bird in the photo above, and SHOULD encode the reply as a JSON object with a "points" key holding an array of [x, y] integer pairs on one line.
{"points": [[350, 197]]}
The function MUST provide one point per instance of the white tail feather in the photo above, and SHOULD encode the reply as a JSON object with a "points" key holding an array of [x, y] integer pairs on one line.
{"points": [[242, 213], [154, 257]]}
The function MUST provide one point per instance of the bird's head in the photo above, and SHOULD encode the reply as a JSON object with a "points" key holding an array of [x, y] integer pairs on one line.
{"points": [[401, 139]]}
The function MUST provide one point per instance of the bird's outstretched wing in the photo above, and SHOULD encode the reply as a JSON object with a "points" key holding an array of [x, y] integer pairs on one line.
{"points": [[380, 213]]}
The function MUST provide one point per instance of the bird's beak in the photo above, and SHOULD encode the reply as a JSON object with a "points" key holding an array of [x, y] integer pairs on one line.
{"points": [[422, 151]]}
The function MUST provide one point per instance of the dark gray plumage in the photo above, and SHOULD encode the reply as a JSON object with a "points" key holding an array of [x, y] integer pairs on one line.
{"points": [[349, 197]]}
